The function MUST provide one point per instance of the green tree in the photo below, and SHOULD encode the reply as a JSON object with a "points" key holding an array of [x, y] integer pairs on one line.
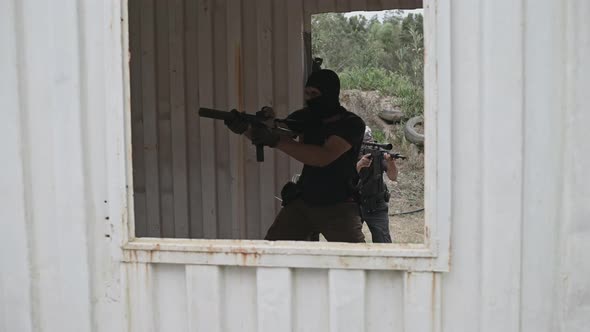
{"points": [[386, 55]]}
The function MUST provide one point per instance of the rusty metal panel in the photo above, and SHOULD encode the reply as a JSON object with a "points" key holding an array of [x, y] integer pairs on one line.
{"points": [[229, 194]]}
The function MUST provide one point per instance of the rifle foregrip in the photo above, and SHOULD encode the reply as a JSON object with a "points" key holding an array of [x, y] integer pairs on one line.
{"points": [[213, 114]]}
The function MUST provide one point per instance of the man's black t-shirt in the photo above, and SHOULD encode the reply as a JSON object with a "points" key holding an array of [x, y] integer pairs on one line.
{"points": [[337, 181]]}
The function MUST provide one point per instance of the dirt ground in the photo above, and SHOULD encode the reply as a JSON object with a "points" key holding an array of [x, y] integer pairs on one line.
{"points": [[407, 193]]}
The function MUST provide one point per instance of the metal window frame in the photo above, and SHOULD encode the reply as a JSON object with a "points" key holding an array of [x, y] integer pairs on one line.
{"points": [[432, 255]]}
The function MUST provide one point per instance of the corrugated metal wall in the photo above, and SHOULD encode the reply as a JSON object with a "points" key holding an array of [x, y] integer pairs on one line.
{"points": [[520, 191], [521, 213], [192, 177], [213, 298], [61, 194]]}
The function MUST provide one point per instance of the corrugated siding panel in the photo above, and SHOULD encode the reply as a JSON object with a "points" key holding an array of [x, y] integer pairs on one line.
{"points": [[543, 135], [56, 266], [517, 108], [501, 98], [212, 298], [573, 219], [52, 165], [466, 263], [16, 303]]}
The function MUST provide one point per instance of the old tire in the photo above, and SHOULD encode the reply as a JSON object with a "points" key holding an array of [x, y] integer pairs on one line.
{"points": [[391, 116], [410, 132]]}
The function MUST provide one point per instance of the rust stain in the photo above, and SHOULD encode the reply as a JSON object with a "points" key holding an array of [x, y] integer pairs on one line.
{"points": [[450, 254], [151, 256], [153, 251], [246, 257], [343, 261], [128, 299]]}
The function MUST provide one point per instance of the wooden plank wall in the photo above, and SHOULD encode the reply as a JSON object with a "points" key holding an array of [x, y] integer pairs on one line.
{"points": [[192, 177]]}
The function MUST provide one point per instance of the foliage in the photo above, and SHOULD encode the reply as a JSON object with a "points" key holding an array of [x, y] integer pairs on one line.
{"points": [[379, 135], [385, 55], [408, 96]]}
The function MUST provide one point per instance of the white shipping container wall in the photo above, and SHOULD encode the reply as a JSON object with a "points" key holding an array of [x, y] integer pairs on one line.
{"points": [[520, 72]]}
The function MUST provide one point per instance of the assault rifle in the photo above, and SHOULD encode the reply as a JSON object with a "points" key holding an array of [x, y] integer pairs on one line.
{"points": [[378, 150], [265, 117]]}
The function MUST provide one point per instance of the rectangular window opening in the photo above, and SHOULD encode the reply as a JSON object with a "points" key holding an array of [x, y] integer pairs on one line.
{"points": [[195, 181]]}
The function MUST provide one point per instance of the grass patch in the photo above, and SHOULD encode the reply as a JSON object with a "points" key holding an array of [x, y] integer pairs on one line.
{"points": [[409, 97]]}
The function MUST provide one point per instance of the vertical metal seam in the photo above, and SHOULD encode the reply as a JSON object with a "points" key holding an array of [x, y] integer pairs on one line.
{"points": [[241, 108], [157, 111], [170, 4], [404, 292], [293, 291], [561, 208], [256, 41], [89, 208], [437, 278], [480, 166], [365, 299], [276, 160], [186, 122], [523, 118], [216, 205], [29, 214]]}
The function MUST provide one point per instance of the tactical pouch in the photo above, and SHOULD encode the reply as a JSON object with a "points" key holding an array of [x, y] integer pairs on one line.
{"points": [[289, 193], [386, 196]]}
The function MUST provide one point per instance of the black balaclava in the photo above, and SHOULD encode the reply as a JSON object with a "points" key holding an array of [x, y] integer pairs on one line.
{"points": [[328, 104]]}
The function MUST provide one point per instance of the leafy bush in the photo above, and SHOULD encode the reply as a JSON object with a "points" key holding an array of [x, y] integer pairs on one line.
{"points": [[386, 56]]}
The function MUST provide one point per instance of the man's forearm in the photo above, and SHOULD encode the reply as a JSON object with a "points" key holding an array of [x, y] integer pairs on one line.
{"points": [[392, 173], [313, 155]]}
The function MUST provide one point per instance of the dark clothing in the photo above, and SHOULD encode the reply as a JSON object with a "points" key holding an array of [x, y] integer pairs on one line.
{"points": [[378, 222], [326, 201], [373, 191], [325, 204], [374, 199], [298, 221], [334, 183]]}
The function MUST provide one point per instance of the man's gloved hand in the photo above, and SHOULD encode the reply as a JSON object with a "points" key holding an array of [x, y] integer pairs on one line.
{"points": [[365, 161], [236, 123], [262, 135], [266, 112]]}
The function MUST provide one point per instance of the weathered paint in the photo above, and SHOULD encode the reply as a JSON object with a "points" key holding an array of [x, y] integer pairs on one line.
{"points": [[520, 254]]}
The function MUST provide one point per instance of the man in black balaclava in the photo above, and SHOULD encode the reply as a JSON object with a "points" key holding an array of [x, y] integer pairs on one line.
{"points": [[329, 144], [322, 92]]}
